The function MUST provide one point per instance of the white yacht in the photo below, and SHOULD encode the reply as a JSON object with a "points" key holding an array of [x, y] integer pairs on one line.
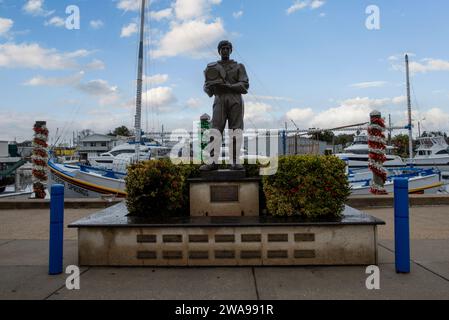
{"points": [[119, 156], [432, 152], [357, 154]]}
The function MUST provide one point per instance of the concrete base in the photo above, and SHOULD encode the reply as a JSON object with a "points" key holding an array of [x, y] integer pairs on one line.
{"points": [[112, 239], [259, 246]]}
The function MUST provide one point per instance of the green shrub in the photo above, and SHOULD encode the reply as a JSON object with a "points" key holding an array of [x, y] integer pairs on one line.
{"points": [[160, 188], [307, 186], [155, 188]]}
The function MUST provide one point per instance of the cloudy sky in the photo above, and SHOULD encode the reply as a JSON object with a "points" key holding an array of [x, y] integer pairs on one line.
{"points": [[311, 61]]}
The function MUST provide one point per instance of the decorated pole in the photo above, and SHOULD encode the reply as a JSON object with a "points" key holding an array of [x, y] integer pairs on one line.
{"points": [[377, 146], [39, 159]]}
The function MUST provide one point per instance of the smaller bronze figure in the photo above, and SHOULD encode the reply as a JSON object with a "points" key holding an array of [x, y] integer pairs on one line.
{"points": [[227, 80]]}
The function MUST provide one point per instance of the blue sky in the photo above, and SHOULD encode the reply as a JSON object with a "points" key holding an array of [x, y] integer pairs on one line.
{"points": [[311, 61]]}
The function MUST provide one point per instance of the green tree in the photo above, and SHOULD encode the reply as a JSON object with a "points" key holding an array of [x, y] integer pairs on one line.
{"points": [[400, 142], [327, 136], [344, 139], [121, 131]]}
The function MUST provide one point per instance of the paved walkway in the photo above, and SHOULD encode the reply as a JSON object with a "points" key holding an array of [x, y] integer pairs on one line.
{"points": [[24, 265]]}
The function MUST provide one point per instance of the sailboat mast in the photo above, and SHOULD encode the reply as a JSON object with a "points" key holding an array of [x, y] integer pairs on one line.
{"points": [[409, 105], [138, 120]]}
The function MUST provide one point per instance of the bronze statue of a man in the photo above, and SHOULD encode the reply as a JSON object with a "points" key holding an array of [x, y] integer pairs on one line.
{"points": [[227, 80]]}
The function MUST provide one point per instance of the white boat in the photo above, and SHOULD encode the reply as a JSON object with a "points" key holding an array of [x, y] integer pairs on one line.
{"points": [[119, 157], [357, 155], [432, 152], [86, 182], [420, 181]]}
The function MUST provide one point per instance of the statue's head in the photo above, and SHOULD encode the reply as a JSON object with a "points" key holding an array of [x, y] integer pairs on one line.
{"points": [[225, 49]]}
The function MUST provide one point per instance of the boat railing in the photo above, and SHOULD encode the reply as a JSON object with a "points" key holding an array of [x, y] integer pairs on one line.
{"points": [[413, 172], [107, 173]]}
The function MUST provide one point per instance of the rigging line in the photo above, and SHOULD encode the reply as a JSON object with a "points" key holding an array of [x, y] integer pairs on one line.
{"points": [[74, 115], [417, 107], [258, 80]]}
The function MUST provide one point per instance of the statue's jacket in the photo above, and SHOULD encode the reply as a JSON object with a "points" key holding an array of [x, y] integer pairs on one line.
{"points": [[229, 72]]}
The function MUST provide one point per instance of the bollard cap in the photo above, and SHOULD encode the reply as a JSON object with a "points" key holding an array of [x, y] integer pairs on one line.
{"points": [[57, 189], [401, 183]]}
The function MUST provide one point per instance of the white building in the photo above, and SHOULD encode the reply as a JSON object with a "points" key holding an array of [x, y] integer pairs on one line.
{"points": [[96, 144]]}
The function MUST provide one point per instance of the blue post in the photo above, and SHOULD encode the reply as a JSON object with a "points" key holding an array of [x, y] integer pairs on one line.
{"points": [[284, 142], [56, 229], [401, 225]]}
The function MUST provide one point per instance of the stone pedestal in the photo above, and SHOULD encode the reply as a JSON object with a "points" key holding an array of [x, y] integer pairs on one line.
{"points": [[224, 193], [112, 238]]}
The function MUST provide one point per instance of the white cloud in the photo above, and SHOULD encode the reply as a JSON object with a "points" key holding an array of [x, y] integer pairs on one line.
{"points": [[129, 5], [5, 26], [106, 93], [193, 9], [156, 79], [429, 65], [298, 5], [190, 38], [96, 24], [300, 115], [160, 98], [346, 114], [237, 14], [399, 100], [97, 87], [350, 111], [162, 14], [317, 4], [303, 4], [36, 8], [193, 103], [18, 124], [129, 30], [257, 114], [95, 65], [33, 56], [57, 81], [419, 66], [55, 22], [371, 84], [193, 30], [435, 119]]}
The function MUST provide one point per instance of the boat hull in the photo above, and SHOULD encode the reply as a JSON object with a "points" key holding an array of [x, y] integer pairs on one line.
{"points": [[82, 185], [423, 184]]}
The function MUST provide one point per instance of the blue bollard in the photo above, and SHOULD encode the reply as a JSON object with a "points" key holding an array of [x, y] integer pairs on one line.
{"points": [[401, 226], [56, 229]]}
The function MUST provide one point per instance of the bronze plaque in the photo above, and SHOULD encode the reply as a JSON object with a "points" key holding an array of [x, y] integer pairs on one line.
{"points": [[224, 194]]}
